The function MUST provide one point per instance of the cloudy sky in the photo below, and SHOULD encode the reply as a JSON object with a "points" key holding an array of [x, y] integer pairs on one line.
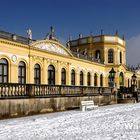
{"points": [[71, 17]]}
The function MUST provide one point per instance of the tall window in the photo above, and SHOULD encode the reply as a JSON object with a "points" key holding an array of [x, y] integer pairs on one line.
{"points": [[72, 77], [3, 70], [121, 79], [51, 75], [21, 72], [120, 57], [81, 78], [110, 56], [88, 79], [101, 80], [37, 74], [128, 82], [95, 79], [97, 54], [63, 76]]}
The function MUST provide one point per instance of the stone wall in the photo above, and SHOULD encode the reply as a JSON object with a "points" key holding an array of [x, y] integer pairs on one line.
{"points": [[127, 100], [23, 107]]}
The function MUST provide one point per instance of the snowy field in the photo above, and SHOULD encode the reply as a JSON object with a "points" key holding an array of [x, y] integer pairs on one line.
{"points": [[113, 122]]}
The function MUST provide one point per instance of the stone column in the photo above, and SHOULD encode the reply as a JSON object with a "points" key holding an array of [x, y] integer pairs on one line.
{"points": [[105, 83], [58, 74], [68, 75], [31, 71], [105, 56], [77, 78], [117, 79], [13, 77], [98, 80], [124, 57], [44, 72], [85, 78], [115, 55], [92, 79], [118, 57]]}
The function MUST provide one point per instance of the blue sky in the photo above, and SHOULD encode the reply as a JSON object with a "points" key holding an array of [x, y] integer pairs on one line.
{"points": [[71, 17]]}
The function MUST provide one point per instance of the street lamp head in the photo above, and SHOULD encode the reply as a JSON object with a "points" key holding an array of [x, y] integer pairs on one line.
{"points": [[134, 77], [112, 73], [134, 83]]}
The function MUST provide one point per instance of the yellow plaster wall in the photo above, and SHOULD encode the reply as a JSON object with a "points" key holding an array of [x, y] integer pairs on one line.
{"points": [[31, 56]]}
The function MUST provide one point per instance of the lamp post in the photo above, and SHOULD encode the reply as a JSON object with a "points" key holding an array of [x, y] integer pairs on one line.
{"points": [[134, 86], [111, 77]]}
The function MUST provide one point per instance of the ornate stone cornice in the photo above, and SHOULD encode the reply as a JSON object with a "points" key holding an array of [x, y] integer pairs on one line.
{"points": [[13, 43]]}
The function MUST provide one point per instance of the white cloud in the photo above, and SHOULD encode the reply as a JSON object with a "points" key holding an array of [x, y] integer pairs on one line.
{"points": [[133, 50]]}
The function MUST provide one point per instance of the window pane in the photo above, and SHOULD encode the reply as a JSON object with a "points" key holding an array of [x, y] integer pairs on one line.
{"points": [[0, 79], [38, 81], [38, 74], [51, 74], [19, 80], [3, 61], [23, 81], [19, 72], [5, 79], [0, 69], [37, 66], [35, 73], [110, 56], [23, 72], [5, 69], [63, 76], [22, 64]]}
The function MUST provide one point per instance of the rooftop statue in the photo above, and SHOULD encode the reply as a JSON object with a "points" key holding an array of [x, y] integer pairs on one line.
{"points": [[29, 34]]}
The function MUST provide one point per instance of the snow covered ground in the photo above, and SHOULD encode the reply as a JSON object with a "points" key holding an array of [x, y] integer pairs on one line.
{"points": [[113, 122]]}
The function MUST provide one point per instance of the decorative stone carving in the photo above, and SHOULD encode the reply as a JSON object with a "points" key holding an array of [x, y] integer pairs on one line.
{"points": [[37, 58], [52, 48], [14, 58]]}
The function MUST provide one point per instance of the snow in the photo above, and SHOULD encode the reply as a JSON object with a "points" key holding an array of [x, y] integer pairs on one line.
{"points": [[112, 122]]}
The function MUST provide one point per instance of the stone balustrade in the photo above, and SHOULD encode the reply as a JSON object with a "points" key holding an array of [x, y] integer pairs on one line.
{"points": [[15, 90]]}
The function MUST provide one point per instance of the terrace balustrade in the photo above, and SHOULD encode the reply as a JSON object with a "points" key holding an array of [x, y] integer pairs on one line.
{"points": [[15, 90]]}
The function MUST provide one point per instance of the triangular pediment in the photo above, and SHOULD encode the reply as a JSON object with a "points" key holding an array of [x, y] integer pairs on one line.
{"points": [[52, 46]]}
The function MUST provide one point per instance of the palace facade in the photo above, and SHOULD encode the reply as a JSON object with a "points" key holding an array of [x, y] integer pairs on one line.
{"points": [[85, 61]]}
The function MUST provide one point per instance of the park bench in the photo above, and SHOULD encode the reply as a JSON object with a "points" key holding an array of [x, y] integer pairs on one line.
{"points": [[87, 105]]}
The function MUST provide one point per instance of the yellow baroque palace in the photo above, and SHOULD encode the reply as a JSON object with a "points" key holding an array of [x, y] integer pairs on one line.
{"points": [[85, 61]]}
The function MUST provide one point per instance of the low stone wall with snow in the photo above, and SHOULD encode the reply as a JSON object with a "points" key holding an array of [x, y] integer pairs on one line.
{"points": [[23, 107]]}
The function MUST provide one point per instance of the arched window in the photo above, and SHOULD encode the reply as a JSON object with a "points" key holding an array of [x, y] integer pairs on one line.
{"points": [[110, 56], [101, 80], [3, 70], [63, 76], [88, 79], [95, 79], [81, 78], [51, 75], [21, 72], [121, 79], [97, 54], [72, 77], [37, 72], [120, 57]]}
